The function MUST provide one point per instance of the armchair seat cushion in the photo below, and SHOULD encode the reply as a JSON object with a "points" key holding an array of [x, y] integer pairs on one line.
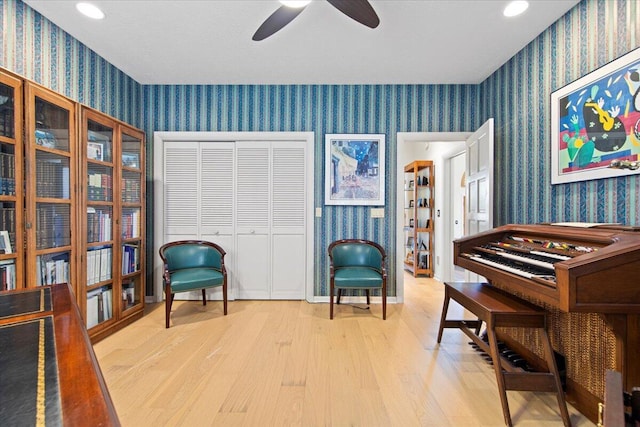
{"points": [[195, 278], [357, 277]]}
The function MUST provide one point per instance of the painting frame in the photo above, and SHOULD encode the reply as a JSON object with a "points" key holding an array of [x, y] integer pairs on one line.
{"points": [[5, 242], [595, 123], [95, 151], [354, 169]]}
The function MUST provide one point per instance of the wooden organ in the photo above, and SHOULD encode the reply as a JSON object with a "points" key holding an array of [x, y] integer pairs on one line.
{"points": [[588, 279]]}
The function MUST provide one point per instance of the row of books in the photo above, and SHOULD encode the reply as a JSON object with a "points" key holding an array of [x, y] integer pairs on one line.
{"points": [[99, 264], [8, 219], [53, 228], [130, 258], [7, 174], [98, 225], [52, 269], [100, 187], [131, 224], [7, 124], [131, 190], [7, 275], [99, 306], [52, 179]]}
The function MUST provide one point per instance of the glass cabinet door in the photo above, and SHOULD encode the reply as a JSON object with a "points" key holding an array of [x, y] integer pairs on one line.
{"points": [[11, 189], [50, 197], [132, 217], [97, 205]]}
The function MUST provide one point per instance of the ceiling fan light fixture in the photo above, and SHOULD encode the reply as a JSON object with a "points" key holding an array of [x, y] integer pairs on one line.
{"points": [[295, 3], [90, 10], [515, 8]]}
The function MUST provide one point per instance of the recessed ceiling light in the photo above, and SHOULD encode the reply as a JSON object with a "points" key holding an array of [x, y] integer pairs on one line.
{"points": [[90, 10], [295, 3], [515, 8]]}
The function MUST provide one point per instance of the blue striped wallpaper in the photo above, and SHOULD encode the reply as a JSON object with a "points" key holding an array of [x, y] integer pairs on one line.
{"points": [[323, 109], [517, 96]]}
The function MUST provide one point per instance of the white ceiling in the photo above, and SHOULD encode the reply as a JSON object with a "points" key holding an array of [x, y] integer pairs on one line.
{"points": [[209, 41]]}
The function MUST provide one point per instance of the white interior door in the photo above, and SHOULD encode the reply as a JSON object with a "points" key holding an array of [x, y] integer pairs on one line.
{"points": [[270, 220], [479, 178], [198, 199], [217, 198], [458, 197], [288, 220], [181, 195], [253, 188]]}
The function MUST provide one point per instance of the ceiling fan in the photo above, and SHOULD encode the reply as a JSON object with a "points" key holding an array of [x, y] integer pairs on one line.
{"points": [[358, 10]]}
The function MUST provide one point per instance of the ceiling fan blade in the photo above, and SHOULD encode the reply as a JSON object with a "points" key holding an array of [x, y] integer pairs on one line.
{"points": [[274, 23], [358, 10]]}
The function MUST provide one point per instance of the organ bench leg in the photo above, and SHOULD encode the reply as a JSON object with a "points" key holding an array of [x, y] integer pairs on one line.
{"points": [[497, 366]]}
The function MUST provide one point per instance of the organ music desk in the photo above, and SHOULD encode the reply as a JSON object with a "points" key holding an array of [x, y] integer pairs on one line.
{"points": [[49, 373], [587, 279]]}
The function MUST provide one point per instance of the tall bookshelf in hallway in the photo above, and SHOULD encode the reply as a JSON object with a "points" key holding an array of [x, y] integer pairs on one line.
{"points": [[418, 217]]}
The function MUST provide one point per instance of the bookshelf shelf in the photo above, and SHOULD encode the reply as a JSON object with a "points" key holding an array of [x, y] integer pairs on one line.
{"points": [[418, 217]]}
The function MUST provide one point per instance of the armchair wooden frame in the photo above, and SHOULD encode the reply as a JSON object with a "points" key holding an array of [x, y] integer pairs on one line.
{"points": [[363, 270], [199, 264]]}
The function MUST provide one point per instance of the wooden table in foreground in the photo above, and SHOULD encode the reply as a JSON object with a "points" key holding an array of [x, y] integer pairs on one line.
{"points": [[50, 373]]}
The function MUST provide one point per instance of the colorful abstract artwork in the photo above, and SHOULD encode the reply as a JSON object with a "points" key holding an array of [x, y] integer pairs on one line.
{"points": [[354, 169], [595, 126]]}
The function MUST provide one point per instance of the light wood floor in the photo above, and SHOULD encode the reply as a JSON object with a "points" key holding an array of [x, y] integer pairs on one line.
{"points": [[280, 363]]}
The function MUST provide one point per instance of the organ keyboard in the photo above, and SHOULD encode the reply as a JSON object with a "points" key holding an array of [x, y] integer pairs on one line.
{"points": [[589, 281], [574, 269]]}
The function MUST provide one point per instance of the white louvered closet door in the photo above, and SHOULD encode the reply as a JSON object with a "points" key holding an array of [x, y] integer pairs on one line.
{"points": [[270, 220], [181, 192], [217, 200], [248, 197], [288, 242], [252, 220]]}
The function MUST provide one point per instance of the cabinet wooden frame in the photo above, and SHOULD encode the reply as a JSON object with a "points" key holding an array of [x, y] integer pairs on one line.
{"points": [[15, 141], [36, 245], [126, 303]]}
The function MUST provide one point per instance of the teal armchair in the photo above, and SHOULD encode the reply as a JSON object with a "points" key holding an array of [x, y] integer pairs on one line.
{"points": [[191, 265], [357, 264]]}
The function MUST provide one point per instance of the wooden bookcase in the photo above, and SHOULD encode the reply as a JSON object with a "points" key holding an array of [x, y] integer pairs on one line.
{"points": [[11, 190], [111, 222], [50, 199], [80, 219], [418, 217]]}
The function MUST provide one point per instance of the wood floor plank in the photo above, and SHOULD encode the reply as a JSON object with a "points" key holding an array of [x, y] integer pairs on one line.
{"points": [[284, 363]]}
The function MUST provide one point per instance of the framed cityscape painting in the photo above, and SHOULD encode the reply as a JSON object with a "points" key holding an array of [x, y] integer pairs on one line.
{"points": [[595, 123], [354, 169]]}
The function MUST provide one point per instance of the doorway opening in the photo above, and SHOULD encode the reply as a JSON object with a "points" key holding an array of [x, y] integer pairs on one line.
{"points": [[440, 147]]}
